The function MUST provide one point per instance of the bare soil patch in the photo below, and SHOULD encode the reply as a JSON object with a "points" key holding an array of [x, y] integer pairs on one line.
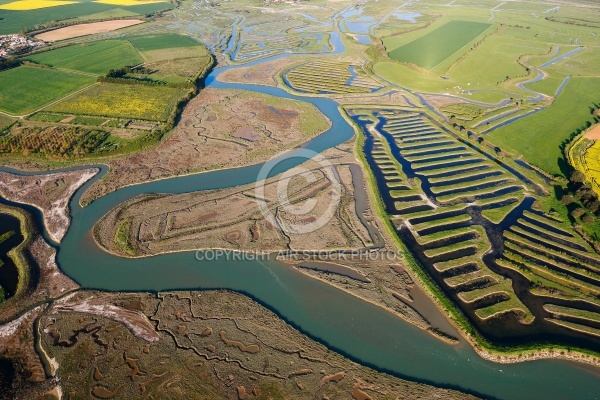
{"points": [[86, 29], [594, 133]]}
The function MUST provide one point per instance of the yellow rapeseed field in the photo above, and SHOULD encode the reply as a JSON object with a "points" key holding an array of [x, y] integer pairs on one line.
{"points": [[592, 163], [129, 2], [24, 5], [584, 156], [153, 103]]}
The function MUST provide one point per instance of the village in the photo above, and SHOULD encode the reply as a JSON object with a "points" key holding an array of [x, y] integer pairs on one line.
{"points": [[10, 44]]}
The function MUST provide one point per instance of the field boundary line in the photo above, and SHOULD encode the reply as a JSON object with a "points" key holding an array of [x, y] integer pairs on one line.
{"points": [[10, 115], [144, 59], [73, 71], [471, 41], [52, 103]]}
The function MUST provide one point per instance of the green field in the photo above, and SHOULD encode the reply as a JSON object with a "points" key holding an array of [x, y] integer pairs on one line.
{"points": [[95, 58], [548, 85], [162, 41], [114, 13], [123, 101], [15, 21], [584, 63], [496, 59], [405, 76], [539, 136], [436, 46], [26, 89]]}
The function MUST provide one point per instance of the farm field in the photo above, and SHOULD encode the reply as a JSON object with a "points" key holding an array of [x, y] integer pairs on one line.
{"points": [[407, 77], [16, 21], [440, 44], [171, 54], [22, 93], [78, 30], [106, 118], [109, 14], [25, 5], [495, 59], [94, 58], [154, 103], [584, 156], [551, 127], [161, 41]]}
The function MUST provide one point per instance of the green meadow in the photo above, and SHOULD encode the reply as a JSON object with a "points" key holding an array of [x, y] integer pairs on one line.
{"points": [[95, 58], [26, 89], [431, 49], [161, 41], [539, 136]]}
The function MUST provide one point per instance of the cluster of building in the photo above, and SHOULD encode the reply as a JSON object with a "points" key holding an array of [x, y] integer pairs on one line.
{"points": [[10, 44], [270, 2]]}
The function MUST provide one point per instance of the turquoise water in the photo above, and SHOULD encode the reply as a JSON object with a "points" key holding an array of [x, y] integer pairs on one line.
{"points": [[357, 329]]}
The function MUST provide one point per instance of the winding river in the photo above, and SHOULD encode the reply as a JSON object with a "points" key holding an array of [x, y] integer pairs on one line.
{"points": [[357, 329]]}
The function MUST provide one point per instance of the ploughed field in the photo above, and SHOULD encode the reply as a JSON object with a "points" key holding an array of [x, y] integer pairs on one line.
{"points": [[475, 227]]}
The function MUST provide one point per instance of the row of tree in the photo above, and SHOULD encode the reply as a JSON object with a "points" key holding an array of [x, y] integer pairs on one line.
{"points": [[9, 62], [127, 75], [55, 141]]}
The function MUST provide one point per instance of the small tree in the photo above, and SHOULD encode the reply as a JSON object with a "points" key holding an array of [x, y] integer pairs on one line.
{"points": [[567, 199], [578, 177], [577, 213], [594, 206], [587, 219]]}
